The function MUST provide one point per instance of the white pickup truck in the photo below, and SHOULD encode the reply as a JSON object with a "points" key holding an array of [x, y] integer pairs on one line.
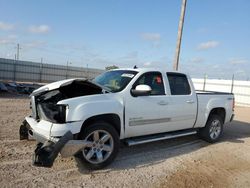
{"points": [[89, 119]]}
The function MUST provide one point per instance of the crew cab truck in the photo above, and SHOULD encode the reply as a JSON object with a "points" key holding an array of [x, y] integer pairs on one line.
{"points": [[88, 119]]}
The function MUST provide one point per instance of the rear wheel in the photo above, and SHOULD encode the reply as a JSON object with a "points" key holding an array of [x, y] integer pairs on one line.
{"points": [[213, 129], [102, 147]]}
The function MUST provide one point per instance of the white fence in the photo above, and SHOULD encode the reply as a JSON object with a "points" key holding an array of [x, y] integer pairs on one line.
{"points": [[241, 89]]}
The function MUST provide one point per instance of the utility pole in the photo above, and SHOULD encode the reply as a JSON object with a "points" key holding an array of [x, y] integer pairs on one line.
{"points": [[14, 69], [41, 70], [232, 85], [87, 71], [67, 70], [205, 80], [17, 53], [180, 29]]}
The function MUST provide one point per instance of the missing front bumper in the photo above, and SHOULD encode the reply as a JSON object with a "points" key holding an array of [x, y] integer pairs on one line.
{"points": [[23, 131], [48, 148], [45, 154]]}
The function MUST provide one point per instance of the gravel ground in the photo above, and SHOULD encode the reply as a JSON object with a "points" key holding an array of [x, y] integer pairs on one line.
{"points": [[182, 162]]}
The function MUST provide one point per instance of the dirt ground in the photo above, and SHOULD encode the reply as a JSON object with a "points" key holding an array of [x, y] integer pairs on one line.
{"points": [[182, 162]]}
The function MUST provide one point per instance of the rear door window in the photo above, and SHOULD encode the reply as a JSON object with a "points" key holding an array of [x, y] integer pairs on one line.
{"points": [[178, 84]]}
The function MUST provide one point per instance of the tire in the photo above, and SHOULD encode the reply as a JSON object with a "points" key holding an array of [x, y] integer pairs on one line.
{"points": [[104, 147], [213, 130]]}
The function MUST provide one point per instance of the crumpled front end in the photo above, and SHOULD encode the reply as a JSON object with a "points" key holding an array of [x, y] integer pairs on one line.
{"points": [[49, 125], [49, 146], [49, 118]]}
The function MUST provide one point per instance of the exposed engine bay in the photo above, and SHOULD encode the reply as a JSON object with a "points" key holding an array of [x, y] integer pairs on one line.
{"points": [[46, 102]]}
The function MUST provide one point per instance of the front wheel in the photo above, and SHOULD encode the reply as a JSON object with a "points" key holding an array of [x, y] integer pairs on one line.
{"points": [[102, 148], [213, 129]]}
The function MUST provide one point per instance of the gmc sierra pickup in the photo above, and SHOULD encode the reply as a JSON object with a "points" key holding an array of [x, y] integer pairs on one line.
{"points": [[88, 119]]}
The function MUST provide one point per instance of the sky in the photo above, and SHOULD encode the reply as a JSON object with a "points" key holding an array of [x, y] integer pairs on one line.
{"points": [[100, 33]]}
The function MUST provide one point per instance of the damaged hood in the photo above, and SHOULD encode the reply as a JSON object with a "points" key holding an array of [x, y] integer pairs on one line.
{"points": [[46, 98], [58, 84]]}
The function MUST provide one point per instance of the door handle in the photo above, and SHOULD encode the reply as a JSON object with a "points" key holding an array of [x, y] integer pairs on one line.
{"points": [[190, 101], [162, 103]]}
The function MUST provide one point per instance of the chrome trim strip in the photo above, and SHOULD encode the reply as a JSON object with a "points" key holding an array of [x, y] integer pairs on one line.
{"points": [[148, 121], [133, 122]]}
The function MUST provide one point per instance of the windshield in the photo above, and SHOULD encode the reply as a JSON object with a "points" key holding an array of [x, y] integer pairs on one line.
{"points": [[115, 81]]}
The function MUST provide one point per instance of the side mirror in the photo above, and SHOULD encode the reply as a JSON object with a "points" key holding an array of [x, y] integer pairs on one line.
{"points": [[141, 90]]}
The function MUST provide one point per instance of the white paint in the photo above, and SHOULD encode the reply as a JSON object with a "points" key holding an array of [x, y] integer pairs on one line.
{"points": [[143, 88], [181, 110]]}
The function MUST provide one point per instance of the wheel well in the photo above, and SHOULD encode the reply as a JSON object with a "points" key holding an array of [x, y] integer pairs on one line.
{"points": [[220, 112], [112, 119]]}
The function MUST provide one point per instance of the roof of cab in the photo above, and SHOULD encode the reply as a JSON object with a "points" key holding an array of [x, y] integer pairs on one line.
{"points": [[147, 69]]}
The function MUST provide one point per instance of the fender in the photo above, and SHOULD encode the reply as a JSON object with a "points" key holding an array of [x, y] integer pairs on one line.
{"points": [[204, 111], [82, 108]]}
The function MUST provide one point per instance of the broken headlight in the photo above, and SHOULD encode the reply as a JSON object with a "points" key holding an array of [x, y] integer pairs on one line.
{"points": [[51, 112]]}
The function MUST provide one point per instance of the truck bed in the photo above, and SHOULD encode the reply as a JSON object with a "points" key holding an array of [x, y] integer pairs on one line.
{"points": [[209, 98], [201, 92]]}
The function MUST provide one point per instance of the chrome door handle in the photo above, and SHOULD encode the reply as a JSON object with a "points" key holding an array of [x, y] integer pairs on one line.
{"points": [[162, 103], [190, 101]]}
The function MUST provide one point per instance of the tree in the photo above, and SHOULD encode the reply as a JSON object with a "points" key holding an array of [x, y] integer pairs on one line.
{"points": [[111, 67]]}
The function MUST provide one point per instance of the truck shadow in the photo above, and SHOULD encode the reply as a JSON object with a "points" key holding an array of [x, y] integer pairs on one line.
{"points": [[140, 156], [236, 131]]}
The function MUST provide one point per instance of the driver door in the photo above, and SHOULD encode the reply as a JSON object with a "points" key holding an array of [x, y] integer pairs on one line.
{"points": [[147, 114]]}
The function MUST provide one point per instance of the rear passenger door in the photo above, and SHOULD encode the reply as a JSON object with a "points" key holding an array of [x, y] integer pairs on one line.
{"points": [[182, 102]]}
